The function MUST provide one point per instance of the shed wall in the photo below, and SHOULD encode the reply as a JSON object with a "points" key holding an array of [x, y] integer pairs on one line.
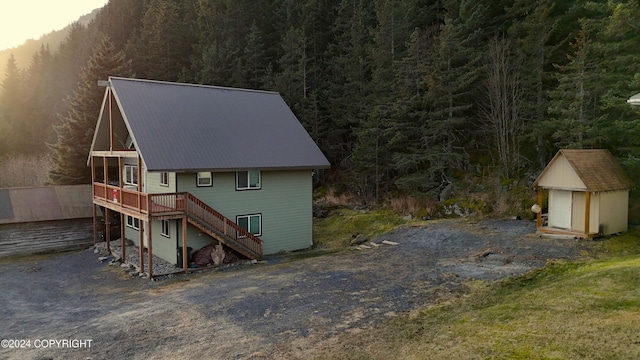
{"points": [[561, 176], [578, 211], [614, 207]]}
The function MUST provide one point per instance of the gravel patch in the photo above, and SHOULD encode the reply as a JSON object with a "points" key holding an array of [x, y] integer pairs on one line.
{"points": [[132, 252], [281, 308]]}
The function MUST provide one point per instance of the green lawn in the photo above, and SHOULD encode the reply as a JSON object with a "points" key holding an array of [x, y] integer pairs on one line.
{"points": [[336, 231]]}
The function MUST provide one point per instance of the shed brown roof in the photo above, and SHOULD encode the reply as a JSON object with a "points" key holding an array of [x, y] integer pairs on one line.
{"points": [[597, 168]]}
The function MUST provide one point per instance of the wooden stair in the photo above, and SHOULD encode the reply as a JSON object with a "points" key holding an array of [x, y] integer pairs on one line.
{"points": [[227, 232]]}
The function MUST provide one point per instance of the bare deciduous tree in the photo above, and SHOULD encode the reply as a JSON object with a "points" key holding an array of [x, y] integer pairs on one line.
{"points": [[501, 110]]}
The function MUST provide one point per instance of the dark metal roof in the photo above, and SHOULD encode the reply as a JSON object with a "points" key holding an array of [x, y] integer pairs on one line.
{"points": [[184, 127]]}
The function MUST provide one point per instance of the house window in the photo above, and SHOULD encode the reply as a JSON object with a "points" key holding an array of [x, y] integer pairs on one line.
{"points": [[204, 179], [164, 178], [133, 222], [246, 180], [165, 228], [131, 175], [251, 223]]}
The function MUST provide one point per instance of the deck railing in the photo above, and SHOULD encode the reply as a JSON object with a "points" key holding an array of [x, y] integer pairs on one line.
{"points": [[203, 212], [131, 199], [176, 203]]}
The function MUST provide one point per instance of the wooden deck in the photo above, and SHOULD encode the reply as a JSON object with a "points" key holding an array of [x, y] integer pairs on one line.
{"points": [[565, 232], [151, 207]]}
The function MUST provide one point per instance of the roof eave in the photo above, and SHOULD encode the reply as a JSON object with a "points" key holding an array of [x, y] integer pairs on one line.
{"points": [[220, 170]]}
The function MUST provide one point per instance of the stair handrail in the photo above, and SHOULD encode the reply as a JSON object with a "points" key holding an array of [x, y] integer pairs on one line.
{"points": [[206, 214]]}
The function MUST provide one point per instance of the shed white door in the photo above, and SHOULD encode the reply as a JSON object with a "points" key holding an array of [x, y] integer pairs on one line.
{"points": [[560, 209]]}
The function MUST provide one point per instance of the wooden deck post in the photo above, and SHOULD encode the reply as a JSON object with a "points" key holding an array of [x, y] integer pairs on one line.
{"points": [[587, 213], [95, 225], [141, 244], [139, 187], [111, 134], [105, 163], [184, 244], [150, 251], [122, 239], [539, 214], [107, 230]]}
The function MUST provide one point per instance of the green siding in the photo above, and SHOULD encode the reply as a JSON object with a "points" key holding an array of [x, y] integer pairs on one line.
{"points": [[131, 234], [153, 183], [284, 201], [162, 246]]}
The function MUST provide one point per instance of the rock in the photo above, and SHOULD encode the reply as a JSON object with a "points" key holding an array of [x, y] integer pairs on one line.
{"points": [[446, 192], [320, 213], [408, 217], [104, 252], [358, 239], [142, 274], [103, 258], [95, 250], [133, 274], [254, 261], [125, 266]]}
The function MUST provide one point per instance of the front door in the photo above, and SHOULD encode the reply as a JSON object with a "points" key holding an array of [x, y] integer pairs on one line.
{"points": [[560, 209]]}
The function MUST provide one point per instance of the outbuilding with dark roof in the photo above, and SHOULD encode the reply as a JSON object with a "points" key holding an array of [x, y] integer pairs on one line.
{"points": [[588, 194]]}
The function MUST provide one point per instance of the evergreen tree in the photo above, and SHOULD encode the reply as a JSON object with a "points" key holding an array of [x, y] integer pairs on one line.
{"points": [[533, 25], [574, 102], [40, 96], [349, 78], [618, 74], [164, 46], [452, 85], [373, 152], [11, 108], [254, 62], [75, 133]]}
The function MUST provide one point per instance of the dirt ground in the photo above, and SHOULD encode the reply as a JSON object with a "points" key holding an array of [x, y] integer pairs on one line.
{"points": [[286, 308]]}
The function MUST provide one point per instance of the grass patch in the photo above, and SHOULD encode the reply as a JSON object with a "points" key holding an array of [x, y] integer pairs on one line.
{"points": [[627, 243], [336, 230], [563, 311]]}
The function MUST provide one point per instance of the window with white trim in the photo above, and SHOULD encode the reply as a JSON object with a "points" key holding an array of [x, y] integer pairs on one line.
{"points": [[133, 222], [131, 175], [248, 180], [164, 178], [204, 179], [165, 228], [251, 223]]}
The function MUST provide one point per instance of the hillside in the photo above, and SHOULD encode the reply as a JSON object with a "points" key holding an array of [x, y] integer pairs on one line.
{"points": [[23, 53], [428, 100]]}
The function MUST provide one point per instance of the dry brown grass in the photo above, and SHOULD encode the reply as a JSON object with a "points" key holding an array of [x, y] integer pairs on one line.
{"points": [[24, 170], [409, 205], [334, 198]]}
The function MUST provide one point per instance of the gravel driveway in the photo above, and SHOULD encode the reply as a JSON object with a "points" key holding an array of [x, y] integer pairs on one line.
{"points": [[283, 308]]}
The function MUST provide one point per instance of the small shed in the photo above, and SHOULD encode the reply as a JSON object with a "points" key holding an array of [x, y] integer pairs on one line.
{"points": [[588, 194]]}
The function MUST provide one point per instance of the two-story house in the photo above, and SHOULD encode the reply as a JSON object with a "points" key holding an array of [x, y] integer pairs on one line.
{"points": [[186, 165]]}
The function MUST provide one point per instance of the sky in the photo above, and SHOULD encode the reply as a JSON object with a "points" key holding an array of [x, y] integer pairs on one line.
{"points": [[30, 19]]}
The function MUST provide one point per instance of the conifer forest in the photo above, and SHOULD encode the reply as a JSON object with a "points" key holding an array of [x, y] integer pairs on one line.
{"points": [[404, 97]]}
